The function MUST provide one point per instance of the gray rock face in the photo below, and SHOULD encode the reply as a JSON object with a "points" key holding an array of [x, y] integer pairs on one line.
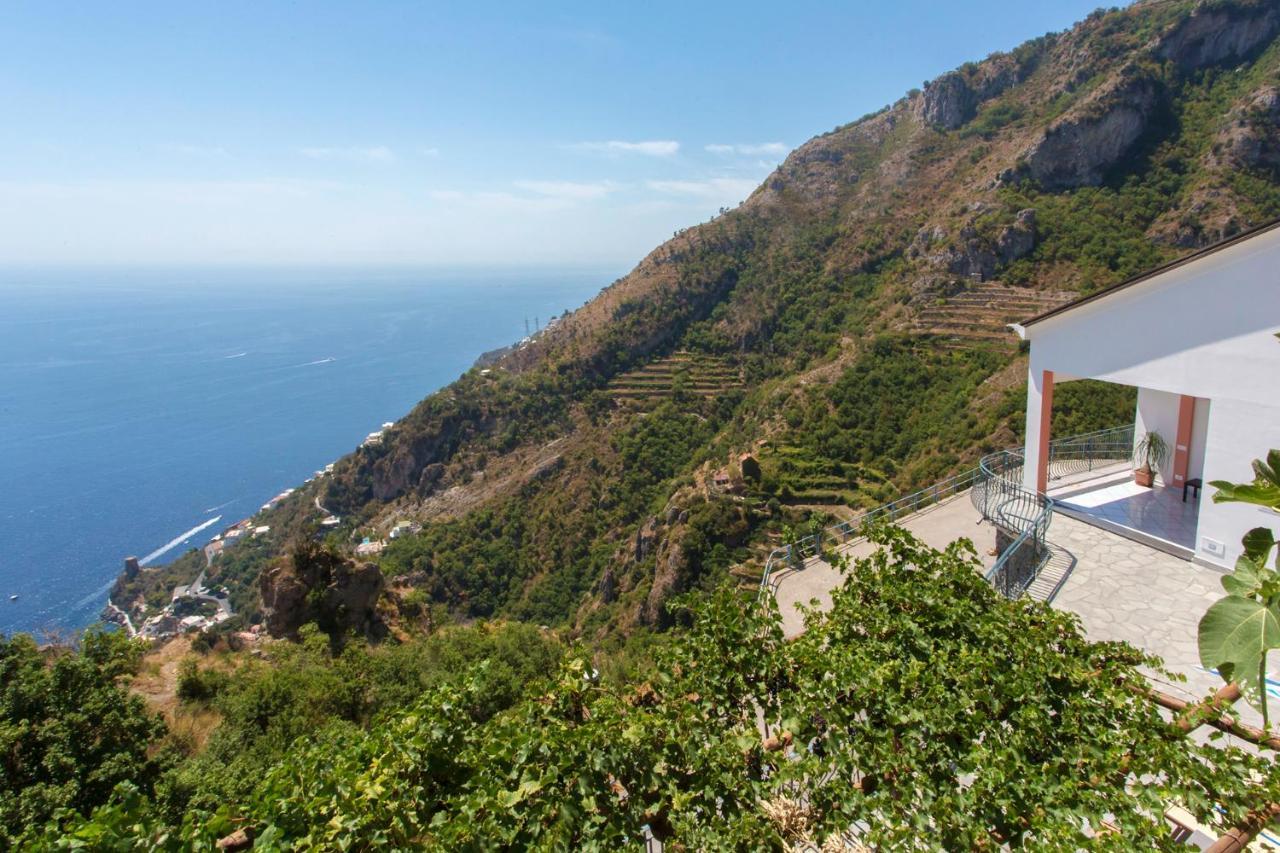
{"points": [[970, 257], [1017, 240], [1078, 149], [953, 99], [972, 254], [1251, 139], [948, 102], [1214, 35], [668, 579], [322, 587], [645, 538], [607, 587]]}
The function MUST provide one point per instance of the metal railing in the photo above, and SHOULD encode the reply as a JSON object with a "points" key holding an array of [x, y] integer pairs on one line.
{"points": [[793, 555], [1021, 517], [1082, 453]]}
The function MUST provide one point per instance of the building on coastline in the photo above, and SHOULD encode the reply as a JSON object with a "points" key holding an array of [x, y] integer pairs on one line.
{"points": [[370, 547], [404, 528]]}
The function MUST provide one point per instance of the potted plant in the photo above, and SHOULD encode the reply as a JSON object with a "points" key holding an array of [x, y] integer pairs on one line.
{"points": [[1152, 451]]}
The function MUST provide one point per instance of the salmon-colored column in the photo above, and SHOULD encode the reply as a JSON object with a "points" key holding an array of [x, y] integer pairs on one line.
{"points": [[1046, 420], [1182, 447]]}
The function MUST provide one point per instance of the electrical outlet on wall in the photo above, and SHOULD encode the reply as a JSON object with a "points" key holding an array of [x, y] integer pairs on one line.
{"points": [[1213, 547]]}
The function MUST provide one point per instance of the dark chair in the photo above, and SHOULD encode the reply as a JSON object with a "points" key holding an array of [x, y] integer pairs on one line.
{"points": [[1193, 483]]}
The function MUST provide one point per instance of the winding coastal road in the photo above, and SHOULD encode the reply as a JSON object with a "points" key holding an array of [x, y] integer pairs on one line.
{"points": [[195, 589]]}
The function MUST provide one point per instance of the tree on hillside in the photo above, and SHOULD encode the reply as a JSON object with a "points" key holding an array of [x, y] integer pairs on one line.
{"points": [[69, 731]]}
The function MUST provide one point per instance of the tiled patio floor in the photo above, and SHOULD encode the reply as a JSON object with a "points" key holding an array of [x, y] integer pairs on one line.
{"points": [[1124, 590], [1112, 496]]}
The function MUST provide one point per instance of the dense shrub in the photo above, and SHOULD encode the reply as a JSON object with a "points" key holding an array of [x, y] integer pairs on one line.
{"points": [[69, 730]]}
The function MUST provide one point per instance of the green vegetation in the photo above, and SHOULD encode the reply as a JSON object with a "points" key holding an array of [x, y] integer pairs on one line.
{"points": [[910, 707], [1086, 405], [75, 740], [1238, 631], [70, 733], [896, 403], [1152, 450], [785, 322], [569, 487]]}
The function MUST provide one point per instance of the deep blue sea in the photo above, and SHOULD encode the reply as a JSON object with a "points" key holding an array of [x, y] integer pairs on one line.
{"points": [[136, 406]]}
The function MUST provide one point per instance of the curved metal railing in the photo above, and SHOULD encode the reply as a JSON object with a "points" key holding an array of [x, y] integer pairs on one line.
{"points": [[1021, 516], [1082, 453]]}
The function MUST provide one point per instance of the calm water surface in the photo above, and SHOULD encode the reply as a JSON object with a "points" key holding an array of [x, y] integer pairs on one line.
{"points": [[135, 407]]}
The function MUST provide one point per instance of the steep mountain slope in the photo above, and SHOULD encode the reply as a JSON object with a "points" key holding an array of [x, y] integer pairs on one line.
{"points": [[845, 320]]}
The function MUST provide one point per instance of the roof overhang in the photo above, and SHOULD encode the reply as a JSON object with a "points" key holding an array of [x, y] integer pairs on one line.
{"points": [[1243, 236]]}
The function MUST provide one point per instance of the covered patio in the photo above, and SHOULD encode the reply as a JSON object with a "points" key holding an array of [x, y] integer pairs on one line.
{"points": [[1091, 478], [1197, 339]]}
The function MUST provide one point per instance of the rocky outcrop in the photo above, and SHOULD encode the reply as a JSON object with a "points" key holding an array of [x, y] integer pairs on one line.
{"points": [[646, 536], [1219, 33], [1251, 139], [669, 575], [1210, 215], [1017, 240], [948, 102], [816, 173], [318, 585], [1079, 149], [607, 587], [953, 99], [973, 253]]}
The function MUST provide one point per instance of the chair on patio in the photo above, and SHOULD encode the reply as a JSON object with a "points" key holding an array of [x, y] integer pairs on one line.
{"points": [[1193, 483]]}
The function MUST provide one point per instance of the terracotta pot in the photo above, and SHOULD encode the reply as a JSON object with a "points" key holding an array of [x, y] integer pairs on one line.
{"points": [[1143, 477]]}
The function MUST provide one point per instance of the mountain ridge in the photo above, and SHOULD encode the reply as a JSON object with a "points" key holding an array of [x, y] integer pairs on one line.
{"points": [[1071, 162]]}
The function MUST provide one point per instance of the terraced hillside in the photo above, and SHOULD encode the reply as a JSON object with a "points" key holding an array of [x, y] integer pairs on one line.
{"points": [[980, 316], [800, 477], [704, 376]]}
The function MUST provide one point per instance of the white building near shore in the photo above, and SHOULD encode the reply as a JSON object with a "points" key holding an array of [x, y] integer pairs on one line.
{"points": [[1198, 339]]}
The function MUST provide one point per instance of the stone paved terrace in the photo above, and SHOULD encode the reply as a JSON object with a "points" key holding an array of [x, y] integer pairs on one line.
{"points": [[937, 526], [1121, 589]]}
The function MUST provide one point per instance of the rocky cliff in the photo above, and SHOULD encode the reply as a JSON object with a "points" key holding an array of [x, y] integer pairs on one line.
{"points": [[316, 585]]}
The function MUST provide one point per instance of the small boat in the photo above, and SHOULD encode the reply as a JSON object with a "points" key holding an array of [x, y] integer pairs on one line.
{"points": [[13, 597]]}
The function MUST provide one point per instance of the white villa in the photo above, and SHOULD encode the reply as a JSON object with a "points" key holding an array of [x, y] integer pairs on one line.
{"points": [[1198, 339]]}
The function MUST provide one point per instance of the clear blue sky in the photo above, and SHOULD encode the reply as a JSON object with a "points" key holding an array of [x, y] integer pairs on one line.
{"points": [[432, 133]]}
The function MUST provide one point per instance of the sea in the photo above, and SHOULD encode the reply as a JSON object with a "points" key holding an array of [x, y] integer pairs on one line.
{"points": [[141, 412]]}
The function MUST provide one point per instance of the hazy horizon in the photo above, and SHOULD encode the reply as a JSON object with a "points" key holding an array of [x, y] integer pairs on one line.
{"points": [[451, 136]]}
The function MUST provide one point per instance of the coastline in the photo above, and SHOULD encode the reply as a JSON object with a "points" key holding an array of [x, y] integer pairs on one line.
{"points": [[116, 616], [415, 351]]}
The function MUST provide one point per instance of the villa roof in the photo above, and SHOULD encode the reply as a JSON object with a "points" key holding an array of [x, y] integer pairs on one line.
{"points": [[1152, 273]]}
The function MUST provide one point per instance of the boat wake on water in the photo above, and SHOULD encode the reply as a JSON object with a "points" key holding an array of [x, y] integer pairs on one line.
{"points": [[178, 540], [95, 595]]}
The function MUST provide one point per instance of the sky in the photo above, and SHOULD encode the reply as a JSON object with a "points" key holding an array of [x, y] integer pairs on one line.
{"points": [[446, 134]]}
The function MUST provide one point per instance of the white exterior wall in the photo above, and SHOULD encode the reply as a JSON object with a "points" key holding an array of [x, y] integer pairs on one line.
{"points": [[1158, 412], [1239, 432], [1031, 453], [1206, 329]]}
